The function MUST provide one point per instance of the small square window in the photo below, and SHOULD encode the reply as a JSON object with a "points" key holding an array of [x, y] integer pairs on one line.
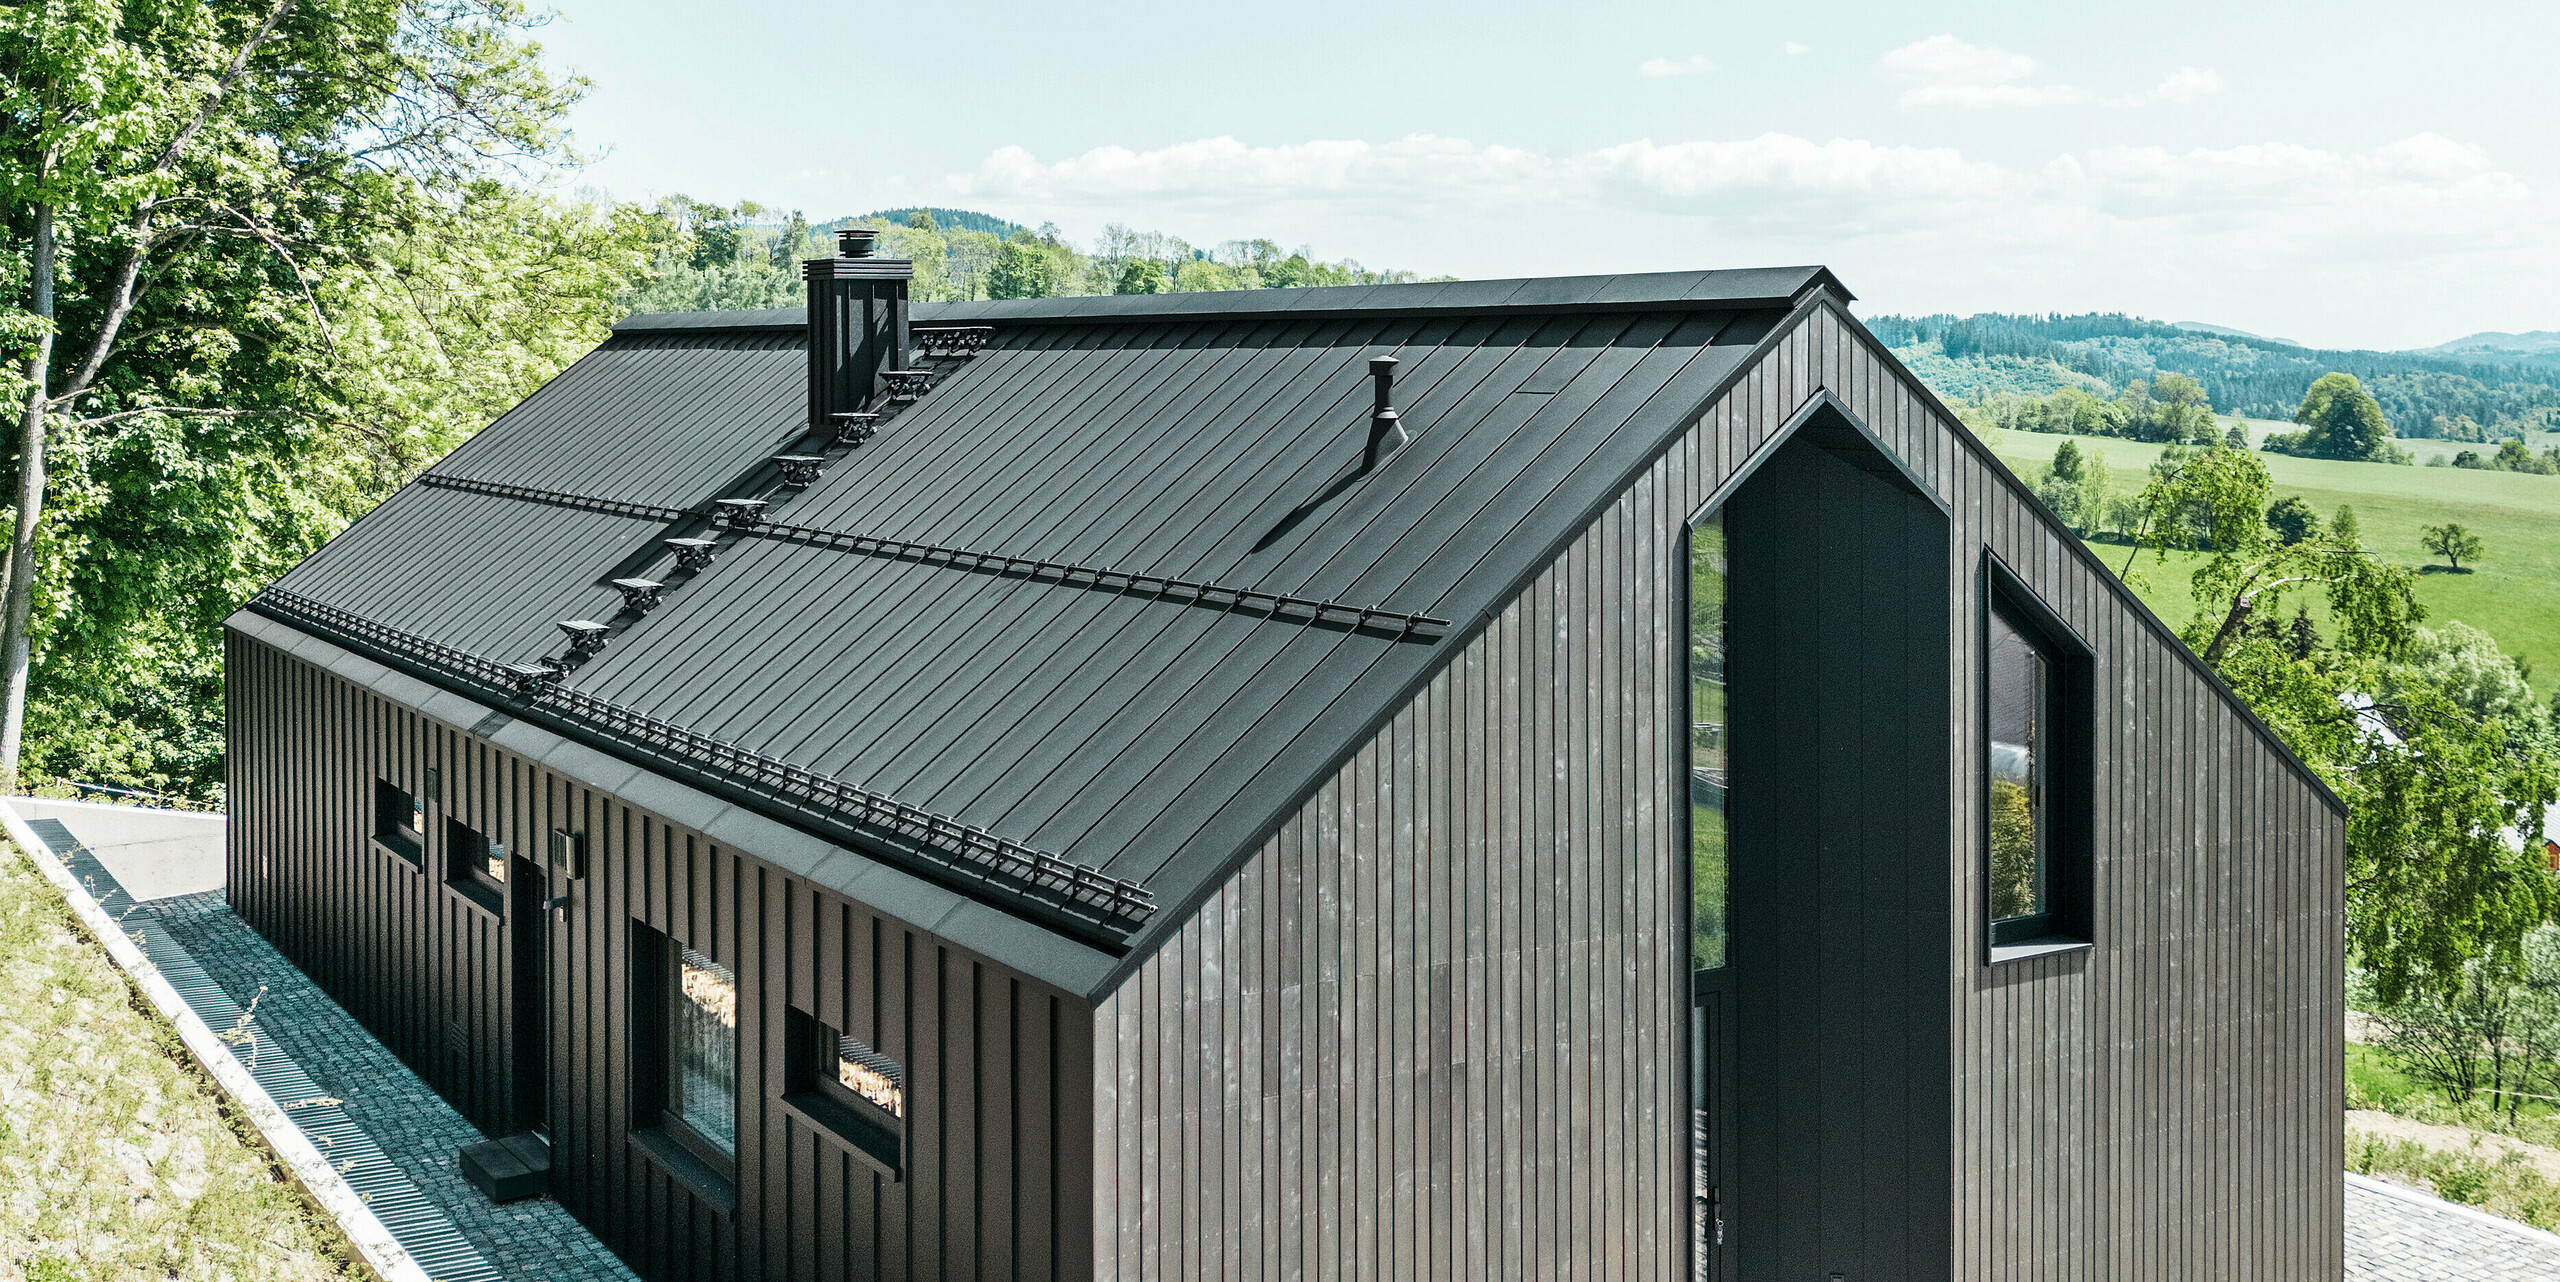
{"points": [[846, 1089], [870, 1076], [399, 822], [475, 865]]}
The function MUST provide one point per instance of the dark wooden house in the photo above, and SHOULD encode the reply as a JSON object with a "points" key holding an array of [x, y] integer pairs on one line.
{"points": [[1594, 778]]}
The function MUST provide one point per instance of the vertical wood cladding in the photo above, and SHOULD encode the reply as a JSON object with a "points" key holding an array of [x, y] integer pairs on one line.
{"points": [[998, 1065], [1432, 1029]]}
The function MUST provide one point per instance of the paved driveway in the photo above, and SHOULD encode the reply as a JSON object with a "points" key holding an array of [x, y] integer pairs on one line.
{"points": [[2400, 1235], [153, 854]]}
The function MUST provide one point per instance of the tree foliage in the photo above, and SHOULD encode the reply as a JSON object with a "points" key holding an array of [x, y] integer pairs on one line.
{"points": [[284, 271], [2443, 789], [2454, 543], [2493, 1031], [2339, 421]]}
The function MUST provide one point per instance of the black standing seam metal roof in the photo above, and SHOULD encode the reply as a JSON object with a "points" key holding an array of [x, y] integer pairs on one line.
{"points": [[1183, 435]]}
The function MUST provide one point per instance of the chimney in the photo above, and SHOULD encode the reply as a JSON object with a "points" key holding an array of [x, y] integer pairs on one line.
{"points": [[1386, 427], [857, 324]]}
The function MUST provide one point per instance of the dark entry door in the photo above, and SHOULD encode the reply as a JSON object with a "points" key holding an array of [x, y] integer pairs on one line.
{"points": [[1708, 1105], [529, 930]]}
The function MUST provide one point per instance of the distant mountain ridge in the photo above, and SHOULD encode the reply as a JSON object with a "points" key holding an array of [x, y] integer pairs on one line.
{"points": [[1974, 356], [2227, 332], [2533, 347]]}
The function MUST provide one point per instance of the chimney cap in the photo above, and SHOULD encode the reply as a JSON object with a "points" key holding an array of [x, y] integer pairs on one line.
{"points": [[857, 242]]}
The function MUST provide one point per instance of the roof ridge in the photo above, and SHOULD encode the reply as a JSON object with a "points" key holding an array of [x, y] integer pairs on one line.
{"points": [[1716, 290]]}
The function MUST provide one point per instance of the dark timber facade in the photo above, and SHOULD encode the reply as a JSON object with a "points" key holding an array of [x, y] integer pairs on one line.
{"points": [[1115, 801]]}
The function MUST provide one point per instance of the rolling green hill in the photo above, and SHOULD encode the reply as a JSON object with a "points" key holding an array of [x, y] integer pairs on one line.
{"points": [[2514, 594], [1971, 356]]}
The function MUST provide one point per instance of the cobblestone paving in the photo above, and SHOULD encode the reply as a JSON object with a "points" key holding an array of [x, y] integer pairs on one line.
{"points": [[529, 1239], [2394, 1239]]}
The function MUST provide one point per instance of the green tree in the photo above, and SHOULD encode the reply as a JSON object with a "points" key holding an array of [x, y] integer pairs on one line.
{"points": [[2078, 488], [2437, 792], [1023, 269], [2516, 456], [2454, 543], [2342, 421], [1140, 276], [2293, 520], [183, 185], [2237, 438]]}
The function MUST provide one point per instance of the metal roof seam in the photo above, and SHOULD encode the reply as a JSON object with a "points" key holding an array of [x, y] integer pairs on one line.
{"points": [[1064, 573]]}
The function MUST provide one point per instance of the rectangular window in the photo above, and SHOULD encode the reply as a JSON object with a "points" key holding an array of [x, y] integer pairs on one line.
{"points": [[702, 1049], [475, 865], [2037, 726], [869, 1076], [2021, 714], [845, 1088], [684, 1063], [1709, 876], [399, 822]]}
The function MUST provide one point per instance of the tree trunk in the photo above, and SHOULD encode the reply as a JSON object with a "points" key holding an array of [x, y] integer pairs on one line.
{"points": [[18, 605]]}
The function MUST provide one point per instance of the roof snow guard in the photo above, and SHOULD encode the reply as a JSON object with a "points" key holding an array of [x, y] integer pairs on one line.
{"points": [[967, 858]]}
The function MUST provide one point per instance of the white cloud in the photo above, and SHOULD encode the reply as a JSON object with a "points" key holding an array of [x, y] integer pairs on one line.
{"points": [[1943, 71], [2187, 84], [2208, 231], [1693, 65], [2254, 200], [1795, 49], [1223, 171]]}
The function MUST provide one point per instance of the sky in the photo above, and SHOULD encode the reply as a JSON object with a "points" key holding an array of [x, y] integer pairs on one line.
{"points": [[2377, 175]]}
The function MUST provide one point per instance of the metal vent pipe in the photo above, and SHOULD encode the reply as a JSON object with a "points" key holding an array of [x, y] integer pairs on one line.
{"points": [[1386, 427]]}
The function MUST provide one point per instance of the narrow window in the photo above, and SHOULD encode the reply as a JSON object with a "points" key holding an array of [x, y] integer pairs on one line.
{"points": [[1708, 874], [702, 1050], [2021, 712], [2037, 729], [399, 822]]}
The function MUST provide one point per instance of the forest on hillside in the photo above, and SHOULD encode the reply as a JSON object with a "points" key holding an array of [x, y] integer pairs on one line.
{"points": [[2422, 395], [710, 257]]}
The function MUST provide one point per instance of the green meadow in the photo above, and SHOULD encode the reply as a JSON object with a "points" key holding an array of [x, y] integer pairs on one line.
{"points": [[2513, 594]]}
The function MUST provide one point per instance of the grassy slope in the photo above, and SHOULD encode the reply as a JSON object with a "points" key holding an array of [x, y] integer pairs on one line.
{"points": [[2514, 596], [117, 1159]]}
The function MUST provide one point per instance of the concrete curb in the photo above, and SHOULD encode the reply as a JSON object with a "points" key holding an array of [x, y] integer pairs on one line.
{"points": [[373, 1243], [2420, 1197]]}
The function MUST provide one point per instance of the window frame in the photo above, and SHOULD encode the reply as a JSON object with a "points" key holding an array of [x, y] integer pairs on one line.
{"points": [[407, 839], [2068, 922], [811, 1090], [468, 852], [676, 1145]]}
